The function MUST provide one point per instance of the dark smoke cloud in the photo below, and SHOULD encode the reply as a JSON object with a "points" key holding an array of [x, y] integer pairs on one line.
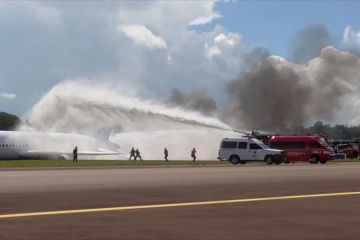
{"points": [[309, 42], [197, 101], [275, 93], [268, 98]]}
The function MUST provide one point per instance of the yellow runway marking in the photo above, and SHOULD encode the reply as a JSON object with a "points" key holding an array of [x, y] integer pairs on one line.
{"points": [[171, 205]]}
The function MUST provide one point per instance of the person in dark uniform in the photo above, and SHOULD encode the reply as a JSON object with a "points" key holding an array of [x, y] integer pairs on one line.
{"points": [[166, 154], [193, 154], [137, 154], [132, 154], [75, 155]]}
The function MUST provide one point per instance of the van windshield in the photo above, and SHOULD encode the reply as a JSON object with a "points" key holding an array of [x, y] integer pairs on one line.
{"points": [[323, 142], [263, 145]]}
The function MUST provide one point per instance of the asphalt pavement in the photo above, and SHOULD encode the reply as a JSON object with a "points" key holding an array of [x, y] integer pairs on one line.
{"points": [[70, 190]]}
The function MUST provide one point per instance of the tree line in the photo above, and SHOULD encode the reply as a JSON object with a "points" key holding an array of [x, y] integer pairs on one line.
{"points": [[331, 132], [8, 121]]}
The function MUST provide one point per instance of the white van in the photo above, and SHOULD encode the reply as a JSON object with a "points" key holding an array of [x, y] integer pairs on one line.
{"points": [[241, 150]]}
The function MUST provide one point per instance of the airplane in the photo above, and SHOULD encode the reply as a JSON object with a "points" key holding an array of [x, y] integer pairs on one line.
{"points": [[43, 145]]}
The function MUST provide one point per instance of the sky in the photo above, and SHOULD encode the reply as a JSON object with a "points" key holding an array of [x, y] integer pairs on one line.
{"points": [[147, 48], [273, 24]]}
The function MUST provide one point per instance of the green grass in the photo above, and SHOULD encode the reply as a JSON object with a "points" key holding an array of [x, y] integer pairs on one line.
{"points": [[347, 160], [113, 163], [98, 163]]}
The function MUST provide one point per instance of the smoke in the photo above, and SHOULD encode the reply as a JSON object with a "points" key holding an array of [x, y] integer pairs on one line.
{"points": [[308, 43], [258, 98], [198, 101], [277, 93], [255, 56]]}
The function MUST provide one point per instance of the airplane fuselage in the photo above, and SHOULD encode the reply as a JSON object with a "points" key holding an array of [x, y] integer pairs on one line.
{"points": [[23, 145]]}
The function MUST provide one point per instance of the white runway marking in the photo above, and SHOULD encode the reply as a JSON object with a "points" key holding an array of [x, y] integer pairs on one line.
{"points": [[172, 205]]}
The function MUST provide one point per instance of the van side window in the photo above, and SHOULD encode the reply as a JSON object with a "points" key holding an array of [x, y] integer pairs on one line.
{"points": [[228, 145], [254, 146], [242, 145], [315, 145]]}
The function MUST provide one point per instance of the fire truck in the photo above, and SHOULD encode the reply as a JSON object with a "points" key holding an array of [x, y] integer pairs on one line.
{"points": [[312, 149]]}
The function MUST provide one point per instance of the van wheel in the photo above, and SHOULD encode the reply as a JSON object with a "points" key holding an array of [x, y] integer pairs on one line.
{"points": [[323, 161], [314, 159], [269, 160], [234, 160]]}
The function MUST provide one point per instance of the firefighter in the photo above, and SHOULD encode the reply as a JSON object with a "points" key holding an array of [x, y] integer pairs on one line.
{"points": [[166, 153], [137, 154], [193, 154], [75, 155], [132, 154]]}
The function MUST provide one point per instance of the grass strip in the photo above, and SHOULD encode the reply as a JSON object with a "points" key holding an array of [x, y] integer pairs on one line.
{"points": [[98, 163]]}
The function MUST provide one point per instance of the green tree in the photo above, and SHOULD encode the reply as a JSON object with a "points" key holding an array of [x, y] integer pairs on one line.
{"points": [[318, 128], [8, 121], [334, 132]]}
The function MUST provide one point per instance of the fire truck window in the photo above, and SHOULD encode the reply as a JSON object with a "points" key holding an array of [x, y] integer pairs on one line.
{"points": [[242, 145], [287, 145], [279, 145], [228, 145], [315, 145], [297, 144]]}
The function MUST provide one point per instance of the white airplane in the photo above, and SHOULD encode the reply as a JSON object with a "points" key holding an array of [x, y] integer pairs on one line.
{"points": [[41, 145]]}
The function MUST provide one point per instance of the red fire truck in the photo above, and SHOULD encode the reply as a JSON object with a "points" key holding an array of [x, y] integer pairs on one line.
{"points": [[313, 149]]}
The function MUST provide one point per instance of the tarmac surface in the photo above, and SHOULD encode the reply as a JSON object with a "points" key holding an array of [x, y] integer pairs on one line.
{"points": [[331, 217]]}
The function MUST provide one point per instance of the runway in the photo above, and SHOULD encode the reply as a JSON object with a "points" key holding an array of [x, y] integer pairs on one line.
{"points": [[316, 217]]}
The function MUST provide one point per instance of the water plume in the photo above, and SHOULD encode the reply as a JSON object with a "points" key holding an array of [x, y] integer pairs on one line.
{"points": [[83, 108], [77, 106]]}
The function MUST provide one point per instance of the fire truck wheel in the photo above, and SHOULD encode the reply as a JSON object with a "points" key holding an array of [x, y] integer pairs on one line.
{"points": [[323, 161], [314, 159]]}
